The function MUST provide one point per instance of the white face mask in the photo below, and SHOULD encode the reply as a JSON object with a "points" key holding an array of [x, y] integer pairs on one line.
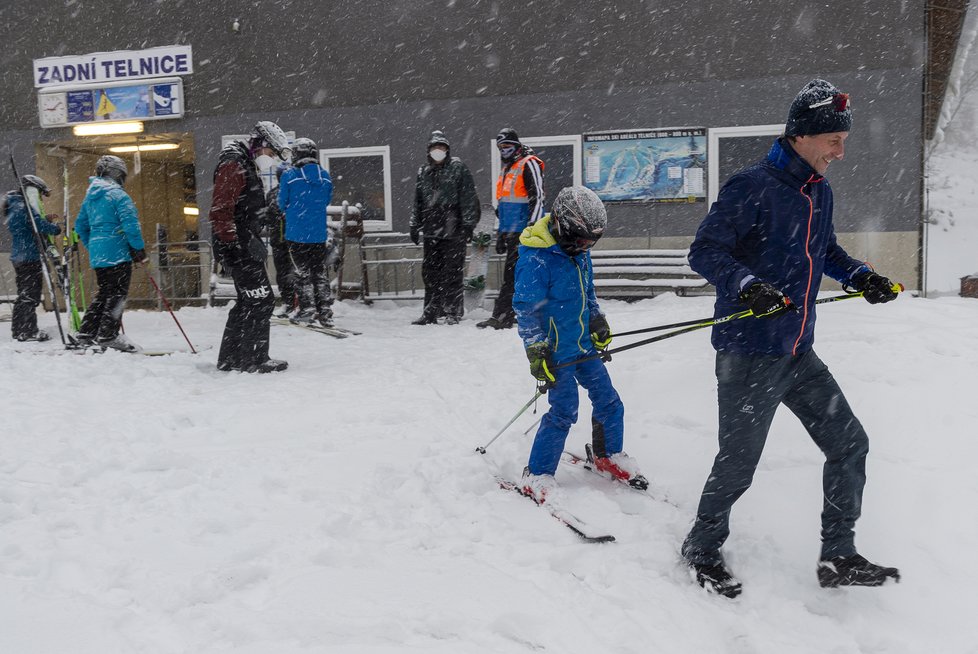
{"points": [[437, 155]]}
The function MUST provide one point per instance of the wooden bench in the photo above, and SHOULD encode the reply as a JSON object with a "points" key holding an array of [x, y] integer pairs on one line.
{"points": [[633, 274]]}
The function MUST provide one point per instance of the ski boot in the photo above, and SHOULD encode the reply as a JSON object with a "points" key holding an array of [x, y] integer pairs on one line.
{"points": [[618, 466], [39, 336], [539, 488], [120, 342], [303, 317]]}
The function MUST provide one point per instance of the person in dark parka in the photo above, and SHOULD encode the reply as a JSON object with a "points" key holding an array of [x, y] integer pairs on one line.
{"points": [[445, 212], [766, 243]]}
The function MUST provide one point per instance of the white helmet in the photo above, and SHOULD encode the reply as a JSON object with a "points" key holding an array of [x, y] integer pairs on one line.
{"points": [[269, 135], [112, 167], [578, 219]]}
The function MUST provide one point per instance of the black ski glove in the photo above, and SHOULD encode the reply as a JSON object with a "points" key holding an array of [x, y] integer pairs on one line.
{"points": [[138, 256], [875, 288], [416, 236], [501, 244], [764, 300], [600, 333], [541, 364], [256, 249], [468, 231]]}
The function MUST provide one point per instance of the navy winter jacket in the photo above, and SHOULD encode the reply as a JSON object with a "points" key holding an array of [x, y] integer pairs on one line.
{"points": [[554, 295], [303, 195], [24, 246], [772, 220]]}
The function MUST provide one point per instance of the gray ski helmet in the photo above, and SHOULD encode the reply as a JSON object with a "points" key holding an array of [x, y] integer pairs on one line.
{"points": [[304, 151], [36, 182], [578, 219], [269, 135], [113, 167]]}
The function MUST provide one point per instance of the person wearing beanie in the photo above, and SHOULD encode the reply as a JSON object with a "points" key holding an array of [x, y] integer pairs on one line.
{"points": [[445, 213], [764, 245], [519, 204]]}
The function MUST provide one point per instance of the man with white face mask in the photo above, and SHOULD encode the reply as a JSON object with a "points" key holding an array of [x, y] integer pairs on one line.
{"points": [[445, 211]]}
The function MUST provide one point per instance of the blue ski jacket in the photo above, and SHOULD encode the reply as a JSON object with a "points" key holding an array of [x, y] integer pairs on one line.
{"points": [[554, 295], [303, 195], [24, 244], [107, 224], [772, 221]]}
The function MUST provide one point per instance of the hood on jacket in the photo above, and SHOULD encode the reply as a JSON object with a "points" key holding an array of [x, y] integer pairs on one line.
{"points": [[98, 187], [538, 234]]}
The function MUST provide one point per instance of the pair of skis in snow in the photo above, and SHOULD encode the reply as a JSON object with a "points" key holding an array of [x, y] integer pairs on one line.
{"points": [[584, 531], [335, 332]]}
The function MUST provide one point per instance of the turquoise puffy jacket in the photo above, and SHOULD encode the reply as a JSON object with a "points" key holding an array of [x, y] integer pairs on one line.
{"points": [[107, 224]]}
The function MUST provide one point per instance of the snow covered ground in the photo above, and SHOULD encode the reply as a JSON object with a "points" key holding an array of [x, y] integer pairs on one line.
{"points": [[158, 506]]}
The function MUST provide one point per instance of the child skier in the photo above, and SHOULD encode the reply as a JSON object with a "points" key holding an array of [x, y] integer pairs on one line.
{"points": [[561, 325]]}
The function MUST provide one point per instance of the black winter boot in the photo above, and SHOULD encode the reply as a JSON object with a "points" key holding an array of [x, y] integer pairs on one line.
{"points": [[853, 571], [716, 579]]}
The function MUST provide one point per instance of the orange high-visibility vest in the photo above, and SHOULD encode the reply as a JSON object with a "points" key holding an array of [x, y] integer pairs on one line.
{"points": [[510, 186]]}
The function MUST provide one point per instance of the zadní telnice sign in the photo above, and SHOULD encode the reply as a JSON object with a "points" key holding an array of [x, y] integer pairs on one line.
{"points": [[120, 66], [112, 86]]}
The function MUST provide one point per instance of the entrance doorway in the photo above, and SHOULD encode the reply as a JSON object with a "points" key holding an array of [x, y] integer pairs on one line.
{"points": [[161, 183]]}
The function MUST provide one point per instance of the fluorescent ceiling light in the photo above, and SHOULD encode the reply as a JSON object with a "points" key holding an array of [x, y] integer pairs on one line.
{"points": [[145, 148], [101, 129], [191, 211]]}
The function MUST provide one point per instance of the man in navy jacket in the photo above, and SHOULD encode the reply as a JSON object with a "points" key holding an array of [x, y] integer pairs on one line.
{"points": [[766, 243]]}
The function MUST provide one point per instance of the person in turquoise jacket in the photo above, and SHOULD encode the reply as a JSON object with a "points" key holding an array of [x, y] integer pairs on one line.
{"points": [[108, 226], [564, 332]]}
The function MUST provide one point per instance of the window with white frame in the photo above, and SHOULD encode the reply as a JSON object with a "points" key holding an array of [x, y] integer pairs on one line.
{"points": [[733, 148], [561, 156], [362, 176]]}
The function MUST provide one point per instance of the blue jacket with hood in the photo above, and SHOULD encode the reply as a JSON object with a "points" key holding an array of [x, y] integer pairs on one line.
{"points": [[772, 220], [304, 193], [24, 244], [107, 224], [554, 295]]}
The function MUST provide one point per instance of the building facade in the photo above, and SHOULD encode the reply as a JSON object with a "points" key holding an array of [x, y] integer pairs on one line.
{"points": [[369, 80]]}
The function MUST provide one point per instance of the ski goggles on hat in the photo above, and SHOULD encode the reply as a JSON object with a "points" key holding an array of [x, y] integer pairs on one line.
{"points": [[573, 244], [838, 101]]}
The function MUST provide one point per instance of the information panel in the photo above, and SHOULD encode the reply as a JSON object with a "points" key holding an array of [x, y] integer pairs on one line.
{"points": [[649, 165], [154, 100]]}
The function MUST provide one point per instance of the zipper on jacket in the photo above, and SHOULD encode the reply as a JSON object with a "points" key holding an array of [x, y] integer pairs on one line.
{"points": [[811, 265], [580, 316]]}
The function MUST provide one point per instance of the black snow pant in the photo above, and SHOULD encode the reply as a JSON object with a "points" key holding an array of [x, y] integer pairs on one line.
{"points": [[246, 334], [443, 272], [28, 277], [502, 310], [309, 276], [750, 389], [103, 318], [283, 273]]}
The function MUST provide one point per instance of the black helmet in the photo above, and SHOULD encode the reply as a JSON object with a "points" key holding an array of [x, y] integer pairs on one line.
{"points": [[112, 167], [36, 182], [578, 219], [304, 151], [267, 134]]}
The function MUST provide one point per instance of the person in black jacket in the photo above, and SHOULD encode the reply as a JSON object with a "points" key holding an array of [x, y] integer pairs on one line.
{"points": [[446, 211], [237, 215], [275, 223]]}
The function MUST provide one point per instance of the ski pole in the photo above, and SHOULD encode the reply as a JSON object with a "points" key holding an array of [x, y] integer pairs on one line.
{"points": [[536, 396], [167, 305], [42, 251]]}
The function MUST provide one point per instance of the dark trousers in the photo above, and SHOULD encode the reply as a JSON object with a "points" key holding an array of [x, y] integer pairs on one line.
{"points": [[750, 389], [246, 334], [283, 273], [309, 276], [103, 318], [502, 310], [443, 271], [28, 277]]}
